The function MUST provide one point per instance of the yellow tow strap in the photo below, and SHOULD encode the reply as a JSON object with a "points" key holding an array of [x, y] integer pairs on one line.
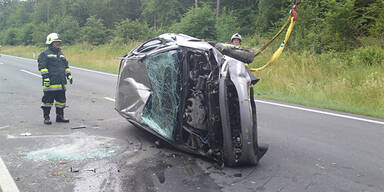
{"points": [[279, 50]]}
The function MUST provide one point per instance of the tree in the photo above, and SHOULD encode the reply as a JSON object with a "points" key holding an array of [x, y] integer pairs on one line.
{"points": [[341, 25], [226, 25], [128, 30], [161, 13], [9, 36], [80, 10], [198, 22], [94, 31], [270, 11], [24, 36], [217, 8], [375, 15], [69, 30], [40, 33], [126, 9]]}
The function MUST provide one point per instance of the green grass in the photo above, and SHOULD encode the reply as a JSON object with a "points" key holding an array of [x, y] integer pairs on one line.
{"points": [[351, 81]]}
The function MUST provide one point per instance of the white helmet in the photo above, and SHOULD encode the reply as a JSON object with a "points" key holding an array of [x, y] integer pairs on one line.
{"points": [[52, 38], [236, 36]]}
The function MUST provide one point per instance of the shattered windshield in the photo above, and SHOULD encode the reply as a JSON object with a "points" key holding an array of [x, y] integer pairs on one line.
{"points": [[160, 112]]}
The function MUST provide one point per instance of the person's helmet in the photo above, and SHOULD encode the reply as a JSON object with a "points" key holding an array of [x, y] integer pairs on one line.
{"points": [[236, 36], [52, 38]]}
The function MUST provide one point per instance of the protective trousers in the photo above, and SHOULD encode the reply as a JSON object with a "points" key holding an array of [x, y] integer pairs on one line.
{"points": [[47, 102]]}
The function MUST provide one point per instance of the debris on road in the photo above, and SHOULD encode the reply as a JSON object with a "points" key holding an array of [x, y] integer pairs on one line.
{"points": [[85, 126], [318, 165], [300, 181], [79, 127], [158, 144], [160, 176], [25, 134], [238, 175], [92, 170], [57, 173], [80, 147], [189, 169], [74, 170]]}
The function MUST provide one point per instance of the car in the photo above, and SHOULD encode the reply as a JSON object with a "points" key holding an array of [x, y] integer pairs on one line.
{"points": [[188, 93]]}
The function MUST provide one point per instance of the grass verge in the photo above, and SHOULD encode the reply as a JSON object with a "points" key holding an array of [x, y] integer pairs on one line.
{"points": [[351, 81]]}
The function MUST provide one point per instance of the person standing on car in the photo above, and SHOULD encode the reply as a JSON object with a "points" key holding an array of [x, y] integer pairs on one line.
{"points": [[54, 71], [236, 39]]}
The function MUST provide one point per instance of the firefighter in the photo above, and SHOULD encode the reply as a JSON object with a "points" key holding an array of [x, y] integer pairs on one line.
{"points": [[54, 71], [236, 39]]}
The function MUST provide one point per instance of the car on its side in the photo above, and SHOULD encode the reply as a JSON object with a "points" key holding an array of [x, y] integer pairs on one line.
{"points": [[188, 93]]}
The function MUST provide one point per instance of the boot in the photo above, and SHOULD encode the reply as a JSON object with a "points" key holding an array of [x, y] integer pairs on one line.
{"points": [[60, 116], [46, 111]]}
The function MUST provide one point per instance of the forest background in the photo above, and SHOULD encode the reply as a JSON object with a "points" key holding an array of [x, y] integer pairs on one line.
{"points": [[334, 59]]}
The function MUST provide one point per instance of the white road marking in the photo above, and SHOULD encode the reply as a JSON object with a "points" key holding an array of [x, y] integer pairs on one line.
{"points": [[79, 68], [36, 136], [321, 112], [27, 59], [109, 99], [25, 71], [7, 184], [93, 71], [3, 127]]}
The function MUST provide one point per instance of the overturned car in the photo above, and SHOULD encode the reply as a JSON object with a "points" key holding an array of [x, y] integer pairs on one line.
{"points": [[186, 92]]}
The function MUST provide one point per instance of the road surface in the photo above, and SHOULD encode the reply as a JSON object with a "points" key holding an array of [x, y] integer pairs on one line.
{"points": [[310, 149]]}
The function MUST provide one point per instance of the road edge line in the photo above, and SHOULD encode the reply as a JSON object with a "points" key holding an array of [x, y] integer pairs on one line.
{"points": [[3, 127], [321, 112], [25, 71], [7, 184], [93, 71], [109, 99], [79, 68]]}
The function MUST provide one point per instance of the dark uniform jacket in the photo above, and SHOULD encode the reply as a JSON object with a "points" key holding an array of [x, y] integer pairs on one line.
{"points": [[53, 65]]}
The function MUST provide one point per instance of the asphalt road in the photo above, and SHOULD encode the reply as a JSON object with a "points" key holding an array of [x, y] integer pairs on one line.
{"points": [[310, 149]]}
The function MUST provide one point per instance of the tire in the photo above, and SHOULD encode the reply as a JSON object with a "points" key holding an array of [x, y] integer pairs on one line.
{"points": [[243, 55], [236, 150]]}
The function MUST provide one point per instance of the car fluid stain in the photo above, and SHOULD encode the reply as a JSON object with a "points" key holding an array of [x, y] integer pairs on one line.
{"points": [[79, 148]]}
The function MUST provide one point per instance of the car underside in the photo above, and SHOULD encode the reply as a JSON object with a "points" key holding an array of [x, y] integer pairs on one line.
{"points": [[189, 94]]}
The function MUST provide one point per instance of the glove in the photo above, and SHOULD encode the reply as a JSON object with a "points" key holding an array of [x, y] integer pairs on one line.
{"points": [[46, 82], [69, 77]]}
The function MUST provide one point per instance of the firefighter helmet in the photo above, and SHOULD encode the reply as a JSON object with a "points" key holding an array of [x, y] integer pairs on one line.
{"points": [[52, 38], [236, 36]]}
